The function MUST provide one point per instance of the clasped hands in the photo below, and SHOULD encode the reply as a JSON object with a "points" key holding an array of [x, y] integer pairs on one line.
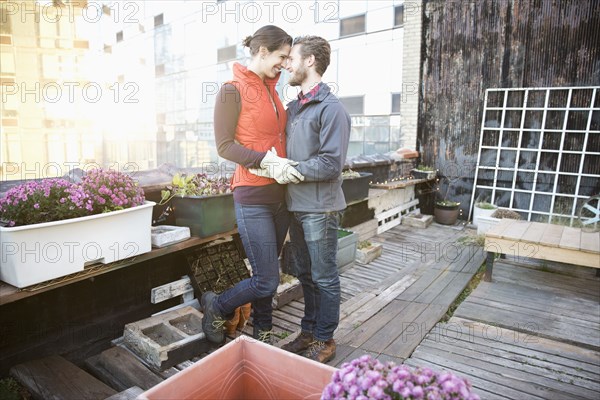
{"points": [[279, 168]]}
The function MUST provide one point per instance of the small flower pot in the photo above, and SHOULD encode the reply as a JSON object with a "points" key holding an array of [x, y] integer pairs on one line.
{"points": [[446, 214], [246, 369], [368, 254], [484, 224]]}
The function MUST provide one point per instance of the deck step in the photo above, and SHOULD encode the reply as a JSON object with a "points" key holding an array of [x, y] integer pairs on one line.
{"points": [[54, 377], [121, 370], [129, 394]]}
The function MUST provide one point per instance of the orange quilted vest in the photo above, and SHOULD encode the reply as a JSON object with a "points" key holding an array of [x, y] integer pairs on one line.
{"points": [[258, 126]]}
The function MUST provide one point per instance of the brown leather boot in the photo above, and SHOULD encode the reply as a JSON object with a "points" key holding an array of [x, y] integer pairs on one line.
{"points": [[301, 343], [321, 351]]}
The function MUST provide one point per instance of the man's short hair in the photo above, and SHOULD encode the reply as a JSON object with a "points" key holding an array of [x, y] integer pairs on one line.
{"points": [[317, 46]]}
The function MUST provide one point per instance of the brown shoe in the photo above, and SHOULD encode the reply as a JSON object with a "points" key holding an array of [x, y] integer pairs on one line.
{"points": [[321, 351], [301, 343]]}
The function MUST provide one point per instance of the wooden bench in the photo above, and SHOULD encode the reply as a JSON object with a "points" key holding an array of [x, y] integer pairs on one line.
{"points": [[542, 241]]}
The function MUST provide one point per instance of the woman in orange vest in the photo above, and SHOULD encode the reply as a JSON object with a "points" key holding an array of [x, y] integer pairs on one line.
{"points": [[249, 123]]}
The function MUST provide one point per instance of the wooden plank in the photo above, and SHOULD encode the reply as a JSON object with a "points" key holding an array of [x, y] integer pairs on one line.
{"points": [[498, 230], [552, 235], [534, 232], [554, 327], [571, 238], [129, 394], [590, 241], [556, 352], [486, 389], [532, 383], [517, 351], [395, 327], [55, 378], [124, 370], [373, 325], [516, 230], [170, 290]]}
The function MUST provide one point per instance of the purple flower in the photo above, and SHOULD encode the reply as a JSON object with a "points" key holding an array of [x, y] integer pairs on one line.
{"points": [[367, 378]]}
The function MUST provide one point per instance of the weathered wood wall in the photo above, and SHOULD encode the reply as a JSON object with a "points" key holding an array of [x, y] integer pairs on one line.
{"points": [[469, 46]]}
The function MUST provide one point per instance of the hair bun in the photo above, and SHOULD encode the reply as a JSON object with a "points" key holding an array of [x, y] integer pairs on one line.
{"points": [[247, 40]]}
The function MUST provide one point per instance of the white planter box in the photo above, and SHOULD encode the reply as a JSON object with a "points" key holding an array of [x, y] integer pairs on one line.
{"points": [[36, 253], [485, 224], [481, 212]]}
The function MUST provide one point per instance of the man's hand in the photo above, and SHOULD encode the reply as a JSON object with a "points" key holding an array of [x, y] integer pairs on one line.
{"points": [[279, 168]]}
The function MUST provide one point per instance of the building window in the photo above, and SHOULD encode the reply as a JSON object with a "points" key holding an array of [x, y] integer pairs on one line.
{"points": [[396, 103], [159, 70], [352, 25], [5, 17], [355, 105], [119, 36], [106, 10], [158, 20], [399, 15], [108, 49], [227, 53]]}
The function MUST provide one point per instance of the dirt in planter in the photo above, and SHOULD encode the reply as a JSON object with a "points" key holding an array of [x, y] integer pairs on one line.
{"points": [[219, 267]]}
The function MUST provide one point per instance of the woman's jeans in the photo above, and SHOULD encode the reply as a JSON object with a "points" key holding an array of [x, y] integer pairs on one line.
{"points": [[314, 246], [262, 229]]}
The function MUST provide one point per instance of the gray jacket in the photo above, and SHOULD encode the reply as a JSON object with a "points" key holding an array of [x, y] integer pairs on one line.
{"points": [[317, 137]]}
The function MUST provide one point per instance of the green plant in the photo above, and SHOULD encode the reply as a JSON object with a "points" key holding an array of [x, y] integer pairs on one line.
{"points": [[447, 203], [194, 185], [363, 244], [485, 205], [10, 389], [422, 167], [350, 174]]}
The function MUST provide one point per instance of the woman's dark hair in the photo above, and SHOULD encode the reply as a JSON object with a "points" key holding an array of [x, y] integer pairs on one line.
{"points": [[269, 36]]}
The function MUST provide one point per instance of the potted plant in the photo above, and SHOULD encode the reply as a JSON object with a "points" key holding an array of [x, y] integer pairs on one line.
{"points": [[355, 185], [367, 251], [246, 368], [482, 209], [202, 203], [485, 223], [424, 172], [446, 211], [347, 241], [54, 227], [369, 378]]}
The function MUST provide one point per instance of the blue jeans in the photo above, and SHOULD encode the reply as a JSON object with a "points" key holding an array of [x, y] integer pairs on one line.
{"points": [[262, 229], [314, 248]]}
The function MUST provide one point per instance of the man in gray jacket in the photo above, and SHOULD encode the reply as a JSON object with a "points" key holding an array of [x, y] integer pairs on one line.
{"points": [[317, 133]]}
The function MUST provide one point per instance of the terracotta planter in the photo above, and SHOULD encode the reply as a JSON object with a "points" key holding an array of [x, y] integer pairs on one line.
{"points": [[446, 215], [246, 369]]}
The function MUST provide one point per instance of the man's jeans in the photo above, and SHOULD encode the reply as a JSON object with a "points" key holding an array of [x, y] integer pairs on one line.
{"points": [[262, 229], [314, 246]]}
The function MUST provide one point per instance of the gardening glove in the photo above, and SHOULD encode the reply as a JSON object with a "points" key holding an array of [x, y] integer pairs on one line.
{"points": [[279, 168]]}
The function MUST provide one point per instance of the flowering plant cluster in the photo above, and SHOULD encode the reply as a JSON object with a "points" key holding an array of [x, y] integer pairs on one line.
{"points": [[195, 185], [57, 199], [107, 191], [366, 378]]}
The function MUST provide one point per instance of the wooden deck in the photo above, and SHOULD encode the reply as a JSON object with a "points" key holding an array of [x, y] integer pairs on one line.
{"points": [[534, 332], [530, 333]]}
